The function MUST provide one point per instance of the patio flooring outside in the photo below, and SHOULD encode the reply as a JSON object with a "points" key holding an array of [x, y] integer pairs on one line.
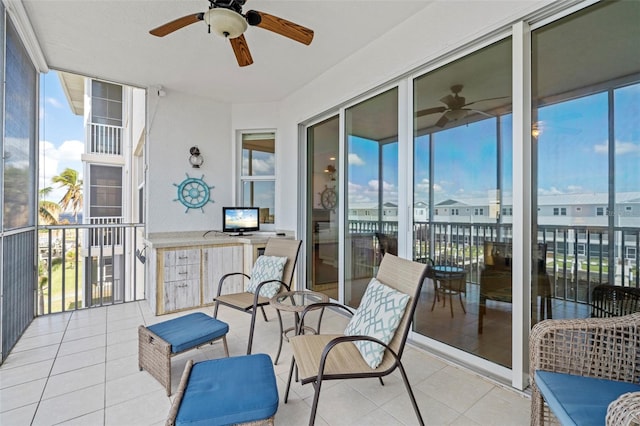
{"points": [[81, 368]]}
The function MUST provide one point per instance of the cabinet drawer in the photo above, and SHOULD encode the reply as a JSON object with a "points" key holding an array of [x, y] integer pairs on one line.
{"points": [[181, 272], [181, 257]]}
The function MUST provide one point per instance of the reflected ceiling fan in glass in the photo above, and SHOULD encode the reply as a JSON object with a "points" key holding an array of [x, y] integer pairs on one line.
{"points": [[456, 107]]}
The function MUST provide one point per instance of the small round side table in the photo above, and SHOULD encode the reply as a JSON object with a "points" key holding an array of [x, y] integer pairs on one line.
{"points": [[296, 302]]}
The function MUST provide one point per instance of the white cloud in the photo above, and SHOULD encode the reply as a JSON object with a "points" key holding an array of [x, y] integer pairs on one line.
{"points": [[575, 189], [71, 150], [552, 191], [53, 160], [355, 160], [621, 148], [602, 148], [54, 102], [261, 166], [423, 187]]}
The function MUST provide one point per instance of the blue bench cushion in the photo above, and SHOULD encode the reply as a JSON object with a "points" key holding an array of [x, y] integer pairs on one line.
{"points": [[577, 400], [189, 331], [228, 391]]}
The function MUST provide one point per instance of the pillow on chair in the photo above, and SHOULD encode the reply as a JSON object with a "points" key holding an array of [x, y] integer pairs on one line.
{"points": [[267, 268], [378, 316]]}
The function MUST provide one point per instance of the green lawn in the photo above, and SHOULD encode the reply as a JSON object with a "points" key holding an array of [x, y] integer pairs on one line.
{"points": [[69, 287]]}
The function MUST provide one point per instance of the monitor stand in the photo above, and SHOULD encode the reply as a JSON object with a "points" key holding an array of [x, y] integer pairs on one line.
{"points": [[241, 234]]}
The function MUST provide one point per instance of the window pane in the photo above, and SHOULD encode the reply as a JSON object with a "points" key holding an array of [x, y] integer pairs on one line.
{"points": [[19, 134], [258, 154], [105, 191], [106, 103], [372, 182], [260, 194], [322, 206], [586, 136], [462, 180]]}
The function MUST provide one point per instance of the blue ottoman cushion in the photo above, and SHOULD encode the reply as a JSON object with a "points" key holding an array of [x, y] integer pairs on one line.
{"points": [[189, 331], [229, 390], [578, 400]]}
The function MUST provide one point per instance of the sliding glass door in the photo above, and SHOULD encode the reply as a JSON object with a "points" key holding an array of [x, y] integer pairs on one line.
{"points": [[322, 207], [371, 205], [462, 202]]}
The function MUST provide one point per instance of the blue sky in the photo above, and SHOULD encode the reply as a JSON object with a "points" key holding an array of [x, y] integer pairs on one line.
{"points": [[572, 148], [61, 134]]}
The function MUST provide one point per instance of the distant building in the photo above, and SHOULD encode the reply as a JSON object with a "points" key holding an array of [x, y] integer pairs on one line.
{"points": [[114, 128]]}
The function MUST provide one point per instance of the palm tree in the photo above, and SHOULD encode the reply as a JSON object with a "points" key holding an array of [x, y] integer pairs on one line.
{"points": [[72, 199], [48, 211]]}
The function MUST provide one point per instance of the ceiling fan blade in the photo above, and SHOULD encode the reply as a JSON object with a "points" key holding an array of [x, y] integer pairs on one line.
{"points": [[477, 111], [176, 24], [280, 26], [428, 111], [442, 121], [487, 99], [241, 50]]}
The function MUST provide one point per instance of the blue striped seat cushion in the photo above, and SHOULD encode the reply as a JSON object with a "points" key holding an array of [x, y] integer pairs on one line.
{"points": [[228, 391], [189, 331]]}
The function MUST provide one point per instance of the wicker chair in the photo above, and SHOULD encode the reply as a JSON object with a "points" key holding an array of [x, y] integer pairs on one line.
{"points": [[605, 348], [250, 302], [320, 357], [613, 301]]}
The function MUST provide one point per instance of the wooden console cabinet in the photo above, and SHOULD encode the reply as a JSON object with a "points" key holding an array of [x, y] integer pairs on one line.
{"points": [[183, 271]]}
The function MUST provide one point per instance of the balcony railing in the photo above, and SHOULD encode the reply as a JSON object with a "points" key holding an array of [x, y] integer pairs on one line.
{"points": [[105, 139], [86, 265], [106, 235], [577, 257]]}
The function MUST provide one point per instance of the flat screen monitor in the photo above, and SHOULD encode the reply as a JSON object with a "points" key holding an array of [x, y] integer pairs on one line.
{"points": [[239, 220]]}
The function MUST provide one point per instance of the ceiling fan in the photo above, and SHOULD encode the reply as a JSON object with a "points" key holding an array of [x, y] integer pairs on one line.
{"points": [[456, 107], [226, 19]]}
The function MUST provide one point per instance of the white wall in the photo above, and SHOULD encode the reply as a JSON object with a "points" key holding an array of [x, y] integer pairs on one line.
{"points": [[177, 122]]}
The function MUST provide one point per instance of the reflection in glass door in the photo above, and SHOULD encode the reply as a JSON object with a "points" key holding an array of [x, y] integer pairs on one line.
{"points": [[372, 181], [322, 207], [462, 192], [586, 140]]}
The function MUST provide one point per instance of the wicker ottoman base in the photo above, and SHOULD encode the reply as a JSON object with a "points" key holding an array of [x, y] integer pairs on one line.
{"points": [[158, 343]]}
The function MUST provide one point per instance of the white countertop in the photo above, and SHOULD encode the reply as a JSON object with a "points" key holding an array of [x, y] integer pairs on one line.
{"points": [[201, 238]]}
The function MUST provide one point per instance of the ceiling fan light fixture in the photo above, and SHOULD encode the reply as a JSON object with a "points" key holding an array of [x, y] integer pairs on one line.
{"points": [[225, 23]]}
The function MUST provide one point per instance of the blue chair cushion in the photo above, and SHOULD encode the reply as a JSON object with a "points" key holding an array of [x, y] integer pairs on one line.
{"points": [[578, 400], [189, 331], [229, 390]]}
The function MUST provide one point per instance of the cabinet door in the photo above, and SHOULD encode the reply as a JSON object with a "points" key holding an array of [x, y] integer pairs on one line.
{"points": [[181, 294], [181, 279], [217, 261]]}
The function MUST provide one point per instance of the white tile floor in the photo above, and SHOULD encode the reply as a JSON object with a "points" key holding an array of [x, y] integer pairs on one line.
{"points": [[81, 368]]}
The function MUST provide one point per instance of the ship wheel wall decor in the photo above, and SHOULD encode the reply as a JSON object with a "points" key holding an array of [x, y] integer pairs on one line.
{"points": [[328, 198], [194, 193]]}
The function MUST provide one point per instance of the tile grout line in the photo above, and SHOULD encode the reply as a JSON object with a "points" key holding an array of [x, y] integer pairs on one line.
{"points": [[55, 358]]}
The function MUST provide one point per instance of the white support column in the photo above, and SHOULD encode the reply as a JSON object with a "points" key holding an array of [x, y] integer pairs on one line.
{"points": [[405, 187], [522, 192]]}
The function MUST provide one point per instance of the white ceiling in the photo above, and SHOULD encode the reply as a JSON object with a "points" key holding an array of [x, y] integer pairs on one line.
{"points": [[110, 39]]}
